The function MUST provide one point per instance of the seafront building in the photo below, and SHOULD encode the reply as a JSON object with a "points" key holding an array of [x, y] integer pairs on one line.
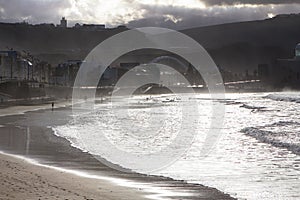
{"points": [[64, 74], [18, 66], [282, 72], [289, 69], [22, 75], [14, 67]]}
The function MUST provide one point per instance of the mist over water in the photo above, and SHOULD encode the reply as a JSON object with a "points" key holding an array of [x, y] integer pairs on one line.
{"points": [[256, 157]]}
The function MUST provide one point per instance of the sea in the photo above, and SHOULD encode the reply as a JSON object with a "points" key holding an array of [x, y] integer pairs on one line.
{"points": [[255, 153]]}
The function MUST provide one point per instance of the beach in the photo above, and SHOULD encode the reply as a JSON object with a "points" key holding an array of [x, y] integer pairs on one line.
{"points": [[22, 180], [50, 167]]}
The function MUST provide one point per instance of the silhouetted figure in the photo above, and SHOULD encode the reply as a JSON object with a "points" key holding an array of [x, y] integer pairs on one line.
{"points": [[52, 105]]}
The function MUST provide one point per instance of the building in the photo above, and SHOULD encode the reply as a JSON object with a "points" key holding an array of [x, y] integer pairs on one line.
{"points": [[263, 71], [42, 72], [286, 72], [14, 67], [17, 66], [109, 77], [65, 73], [297, 52], [63, 23], [90, 27], [45, 25], [21, 75], [77, 25]]}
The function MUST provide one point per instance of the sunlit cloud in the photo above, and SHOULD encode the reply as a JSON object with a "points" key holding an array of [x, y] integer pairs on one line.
{"points": [[172, 18], [174, 3], [247, 2], [238, 5], [167, 13], [106, 12], [271, 15]]}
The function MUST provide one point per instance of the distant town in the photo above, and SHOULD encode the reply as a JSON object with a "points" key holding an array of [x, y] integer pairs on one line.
{"points": [[64, 24], [23, 75]]}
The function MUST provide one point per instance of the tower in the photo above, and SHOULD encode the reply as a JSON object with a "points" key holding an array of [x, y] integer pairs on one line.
{"points": [[63, 22]]}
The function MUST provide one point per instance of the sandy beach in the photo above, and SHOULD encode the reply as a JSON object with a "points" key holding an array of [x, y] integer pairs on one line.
{"points": [[28, 135], [22, 180], [11, 109]]}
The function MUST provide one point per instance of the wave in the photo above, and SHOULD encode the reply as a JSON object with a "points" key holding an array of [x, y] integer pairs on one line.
{"points": [[63, 133], [253, 108], [287, 97], [276, 139], [285, 123]]}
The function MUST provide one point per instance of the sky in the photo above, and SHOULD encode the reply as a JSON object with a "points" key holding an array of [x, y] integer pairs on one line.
{"points": [[176, 14]]}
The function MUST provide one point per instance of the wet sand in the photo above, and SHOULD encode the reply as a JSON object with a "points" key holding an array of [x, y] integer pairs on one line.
{"points": [[29, 135], [7, 109]]}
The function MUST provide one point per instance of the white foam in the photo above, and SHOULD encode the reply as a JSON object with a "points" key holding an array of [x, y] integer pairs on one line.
{"points": [[64, 132], [240, 165], [289, 97]]}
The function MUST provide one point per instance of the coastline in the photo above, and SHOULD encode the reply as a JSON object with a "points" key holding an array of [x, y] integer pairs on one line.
{"points": [[50, 150], [21, 108], [23, 180]]}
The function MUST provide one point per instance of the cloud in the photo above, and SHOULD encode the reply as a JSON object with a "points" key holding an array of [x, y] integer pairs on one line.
{"points": [[34, 11], [99, 11], [84, 11], [257, 2], [187, 18], [175, 14]]}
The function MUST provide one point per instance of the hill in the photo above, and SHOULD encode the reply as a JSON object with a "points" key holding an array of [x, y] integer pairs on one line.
{"points": [[236, 46], [241, 46], [52, 44]]}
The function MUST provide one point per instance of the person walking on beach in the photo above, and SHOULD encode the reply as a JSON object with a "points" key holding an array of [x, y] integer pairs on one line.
{"points": [[52, 105]]}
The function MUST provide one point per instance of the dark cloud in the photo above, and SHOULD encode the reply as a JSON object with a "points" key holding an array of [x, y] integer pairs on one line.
{"points": [[260, 2], [187, 18]]}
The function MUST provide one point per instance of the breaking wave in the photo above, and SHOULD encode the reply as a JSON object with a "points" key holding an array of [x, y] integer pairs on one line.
{"points": [[287, 97], [285, 137]]}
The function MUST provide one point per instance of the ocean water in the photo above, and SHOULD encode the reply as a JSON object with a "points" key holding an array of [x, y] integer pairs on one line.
{"points": [[256, 156]]}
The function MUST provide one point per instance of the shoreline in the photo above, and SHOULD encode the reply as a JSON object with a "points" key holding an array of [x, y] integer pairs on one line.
{"points": [[21, 178], [31, 107], [50, 150]]}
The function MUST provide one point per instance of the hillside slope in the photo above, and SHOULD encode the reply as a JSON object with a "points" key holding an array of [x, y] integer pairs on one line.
{"points": [[237, 46]]}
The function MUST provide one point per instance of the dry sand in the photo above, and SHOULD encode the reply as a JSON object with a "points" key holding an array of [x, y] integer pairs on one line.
{"points": [[22, 180]]}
